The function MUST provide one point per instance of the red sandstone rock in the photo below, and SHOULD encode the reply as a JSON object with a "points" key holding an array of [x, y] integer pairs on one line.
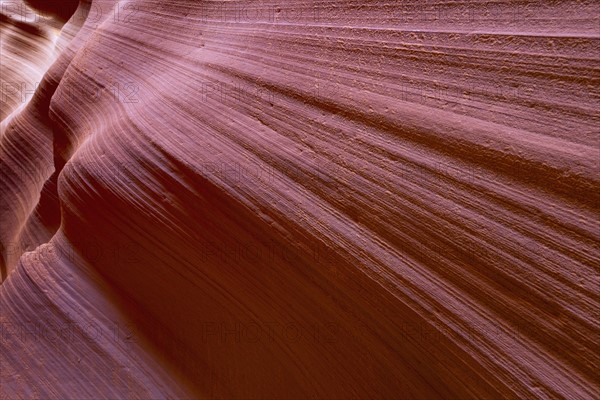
{"points": [[300, 199]]}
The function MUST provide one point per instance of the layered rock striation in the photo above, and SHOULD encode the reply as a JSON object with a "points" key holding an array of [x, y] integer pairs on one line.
{"points": [[301, 199]]}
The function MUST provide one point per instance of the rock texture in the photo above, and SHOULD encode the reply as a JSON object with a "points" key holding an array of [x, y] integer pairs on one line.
{"points": [[300, 199]]}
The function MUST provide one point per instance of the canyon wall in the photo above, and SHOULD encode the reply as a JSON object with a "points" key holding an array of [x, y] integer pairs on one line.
{"points": [[300, 199]]}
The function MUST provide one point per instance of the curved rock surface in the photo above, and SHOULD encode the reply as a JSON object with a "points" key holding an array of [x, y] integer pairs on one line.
{"points": [[300, 199]]}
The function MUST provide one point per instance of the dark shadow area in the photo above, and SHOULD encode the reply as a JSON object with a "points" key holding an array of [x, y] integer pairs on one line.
{"points": [[62, 10]]}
